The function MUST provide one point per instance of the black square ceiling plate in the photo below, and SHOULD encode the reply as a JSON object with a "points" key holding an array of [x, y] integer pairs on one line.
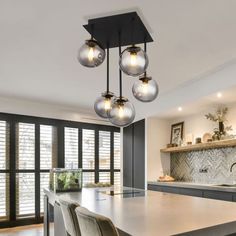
{"points": [[106, 30]]}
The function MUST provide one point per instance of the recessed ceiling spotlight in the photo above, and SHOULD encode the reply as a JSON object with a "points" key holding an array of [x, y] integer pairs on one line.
{"points": [[219, 95], [180, 109]]}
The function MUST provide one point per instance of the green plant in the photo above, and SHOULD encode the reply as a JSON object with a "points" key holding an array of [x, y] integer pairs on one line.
{"points": [[219, 116]]}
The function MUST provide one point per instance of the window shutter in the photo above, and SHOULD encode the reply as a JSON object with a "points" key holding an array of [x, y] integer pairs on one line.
{"points": [[25, 194], [88, 149], [71, 148], [105, 177], [48, 153], [116, 150], [25, 146], [104, 150]]}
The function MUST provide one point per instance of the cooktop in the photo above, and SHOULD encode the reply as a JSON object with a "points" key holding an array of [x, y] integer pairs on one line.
{"points": [[127, 193]]}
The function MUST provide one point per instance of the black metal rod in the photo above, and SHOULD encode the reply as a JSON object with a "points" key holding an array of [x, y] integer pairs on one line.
{"points": [[145, 50], [120, 74], [108, 68]]}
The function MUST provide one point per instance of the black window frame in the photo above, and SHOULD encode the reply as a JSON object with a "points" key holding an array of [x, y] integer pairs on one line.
{"points": [[13, 120]]}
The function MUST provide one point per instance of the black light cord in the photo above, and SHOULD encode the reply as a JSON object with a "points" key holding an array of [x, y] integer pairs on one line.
{"points": [[108, 68], [145, 50], [120, 72]]}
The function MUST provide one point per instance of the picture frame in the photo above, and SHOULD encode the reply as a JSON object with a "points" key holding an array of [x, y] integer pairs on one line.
{"points": [[177, 131]]}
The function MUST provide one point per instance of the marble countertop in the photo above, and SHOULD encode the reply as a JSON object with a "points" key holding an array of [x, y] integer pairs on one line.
{"points": [[195, 186], [157, 213]]}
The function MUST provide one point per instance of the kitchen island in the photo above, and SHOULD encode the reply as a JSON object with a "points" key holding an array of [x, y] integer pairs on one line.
{"points": [[149, 213]]}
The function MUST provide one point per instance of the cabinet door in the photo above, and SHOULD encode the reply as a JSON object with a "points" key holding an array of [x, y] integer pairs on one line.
{"points": [[218, 195], [170, 189], [191, 192], [154, 187], [128, 156], [139, 154]]}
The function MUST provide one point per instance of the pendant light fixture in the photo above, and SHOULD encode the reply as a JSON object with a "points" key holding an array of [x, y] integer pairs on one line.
{"points": [[103, 104], [91, 54], [105, 34], [122, 112], [145, 89]]}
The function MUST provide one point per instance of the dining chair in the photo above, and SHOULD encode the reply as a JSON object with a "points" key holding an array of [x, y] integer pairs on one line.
{"points": [[69, 216], [94, 224]]}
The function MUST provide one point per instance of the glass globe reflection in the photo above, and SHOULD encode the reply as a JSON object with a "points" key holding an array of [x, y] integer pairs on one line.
{"points": [[145, 89], [133, 61], [122, 112], [103, 104], [91, 54]]}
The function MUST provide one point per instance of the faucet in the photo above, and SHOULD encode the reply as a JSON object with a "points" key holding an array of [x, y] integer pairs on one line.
{"points": [[231, 168]]}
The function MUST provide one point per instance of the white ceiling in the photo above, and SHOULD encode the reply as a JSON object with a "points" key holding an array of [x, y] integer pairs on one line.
{"points": [[39, 42], [222, 98]]}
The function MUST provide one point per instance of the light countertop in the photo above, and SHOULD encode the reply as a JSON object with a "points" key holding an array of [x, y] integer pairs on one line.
{"points": [[158, 213], [195, 186]]}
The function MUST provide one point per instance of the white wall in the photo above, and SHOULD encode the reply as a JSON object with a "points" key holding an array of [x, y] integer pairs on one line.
{"points": [[157, 136], [198, 125], [31, 108]]}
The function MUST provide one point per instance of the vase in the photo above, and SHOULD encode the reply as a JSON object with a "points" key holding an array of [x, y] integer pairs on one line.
{"points": [[221, 127]]}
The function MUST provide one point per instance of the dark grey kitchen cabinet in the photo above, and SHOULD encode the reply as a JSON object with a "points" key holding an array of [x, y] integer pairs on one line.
{"points": [[154, 187], [234, 197], [128, 156], [134, 155], [218, 195], [213, 194], [170, 190], [139, 154], [191, 192]]}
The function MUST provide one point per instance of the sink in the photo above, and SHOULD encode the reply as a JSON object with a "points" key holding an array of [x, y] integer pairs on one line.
{"points": [[226, 185]]}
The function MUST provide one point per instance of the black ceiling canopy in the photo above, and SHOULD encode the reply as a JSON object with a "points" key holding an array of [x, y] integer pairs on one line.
{"points": [[106, 30]]}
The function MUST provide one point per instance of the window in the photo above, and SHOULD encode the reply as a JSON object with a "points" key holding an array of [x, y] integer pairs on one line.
{"points": [[25, 160], [71, 148], [116, 150], [117, 158], [25, 146], [4, 196], [25, 194], [48, 157], [117, 178], [31, 146], [47, 149], [88, 149], [44, 183], [88, 178], [104, 150], [104, 177], [4, 145], [4, 168]]}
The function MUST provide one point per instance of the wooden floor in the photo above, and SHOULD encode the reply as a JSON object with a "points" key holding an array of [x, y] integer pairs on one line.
{"points": [[31, 230]]}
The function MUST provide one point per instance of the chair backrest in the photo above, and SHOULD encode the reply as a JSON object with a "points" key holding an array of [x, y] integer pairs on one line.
{"points": [[94, 224], [69, 216]]}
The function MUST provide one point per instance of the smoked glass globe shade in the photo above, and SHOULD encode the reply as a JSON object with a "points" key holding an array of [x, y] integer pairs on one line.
{"points": [[122, 112], [91, 54], [133, 61], [103, 104], [145, 89]]}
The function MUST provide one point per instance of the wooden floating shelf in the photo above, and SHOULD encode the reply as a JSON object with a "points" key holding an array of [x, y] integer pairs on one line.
{"points": [[201, 146]]}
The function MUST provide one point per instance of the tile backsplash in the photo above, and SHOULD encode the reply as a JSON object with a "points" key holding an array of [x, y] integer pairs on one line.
{"points": [[186, 166]]}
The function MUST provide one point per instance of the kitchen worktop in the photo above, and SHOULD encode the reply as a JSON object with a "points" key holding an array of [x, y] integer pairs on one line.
{"points": [[195, 186], [157, 213]]}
